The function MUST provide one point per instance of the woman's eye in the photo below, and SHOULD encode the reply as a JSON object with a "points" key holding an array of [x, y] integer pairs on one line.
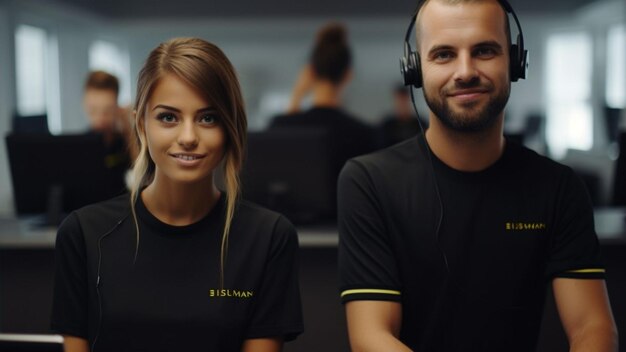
{"points": [[166, 117], [208, 119]]}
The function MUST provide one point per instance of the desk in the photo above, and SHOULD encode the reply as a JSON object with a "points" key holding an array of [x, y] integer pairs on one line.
{"points": [[27, 261]]}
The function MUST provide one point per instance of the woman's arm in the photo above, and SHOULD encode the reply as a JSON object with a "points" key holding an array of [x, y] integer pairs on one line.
{"points": [[270, 344], [75, 344], [302, 87]]}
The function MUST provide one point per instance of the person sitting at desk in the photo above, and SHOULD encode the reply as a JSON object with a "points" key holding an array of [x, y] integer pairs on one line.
{"points": [[448, 241], [111, 121], [326, 76], [180, 265]]}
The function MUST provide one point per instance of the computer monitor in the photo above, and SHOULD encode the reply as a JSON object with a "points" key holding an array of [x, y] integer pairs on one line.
{"points": [[30, 343], [57, 174], [290, 170], [37, 124]]}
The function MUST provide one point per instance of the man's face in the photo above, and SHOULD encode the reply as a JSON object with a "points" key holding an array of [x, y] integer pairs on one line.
{"points": [[101, 108], [465, 63]]}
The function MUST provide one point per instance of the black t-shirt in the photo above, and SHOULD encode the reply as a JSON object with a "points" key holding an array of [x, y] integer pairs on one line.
{"points": [[349, 137], [169, 298], [117, 161], [505, 233]]}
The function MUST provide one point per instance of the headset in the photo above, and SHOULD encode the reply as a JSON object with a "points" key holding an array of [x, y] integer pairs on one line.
{"points": [[410, 67]]}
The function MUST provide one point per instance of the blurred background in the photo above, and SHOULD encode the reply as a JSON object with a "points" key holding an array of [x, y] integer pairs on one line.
{"points": [[570, 105]]}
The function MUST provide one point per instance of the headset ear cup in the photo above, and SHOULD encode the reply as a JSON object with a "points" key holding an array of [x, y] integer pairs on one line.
{"points": [[514, 63], [410, 68], [416, 69]]}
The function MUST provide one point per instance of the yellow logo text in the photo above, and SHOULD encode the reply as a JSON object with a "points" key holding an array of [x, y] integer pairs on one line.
{"points": [[225, 292], [524, 226]]}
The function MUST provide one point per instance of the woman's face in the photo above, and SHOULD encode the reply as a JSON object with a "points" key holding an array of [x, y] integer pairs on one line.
{"points": [[184, 134]]}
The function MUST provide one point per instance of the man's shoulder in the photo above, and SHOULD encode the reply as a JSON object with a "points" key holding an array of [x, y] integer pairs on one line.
{"points": [[399, 155], [536, 162]]}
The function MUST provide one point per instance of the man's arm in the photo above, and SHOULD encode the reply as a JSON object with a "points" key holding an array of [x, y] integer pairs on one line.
{"points": [[374, 326], [585, 312]]}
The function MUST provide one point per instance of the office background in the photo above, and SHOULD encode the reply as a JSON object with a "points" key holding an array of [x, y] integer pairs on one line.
{"points": [[269, 41]]}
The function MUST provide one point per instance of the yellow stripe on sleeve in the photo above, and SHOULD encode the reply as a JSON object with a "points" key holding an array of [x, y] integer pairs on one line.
{"points": [[586, 271], [370, 290]]}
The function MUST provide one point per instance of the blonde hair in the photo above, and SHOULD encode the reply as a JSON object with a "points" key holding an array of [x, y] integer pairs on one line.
{"points": [[203, 66]]}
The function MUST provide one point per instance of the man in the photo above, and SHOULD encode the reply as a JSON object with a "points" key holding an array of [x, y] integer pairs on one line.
{"points": [[112, 122], [448, 241]]}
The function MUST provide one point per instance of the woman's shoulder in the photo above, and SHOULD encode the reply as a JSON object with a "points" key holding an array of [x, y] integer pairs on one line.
{"points": [[257, 216], [257, 213], [111, 208], [100, 217]]}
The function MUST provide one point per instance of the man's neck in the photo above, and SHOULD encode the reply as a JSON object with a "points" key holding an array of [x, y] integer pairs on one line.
{"points": [[465, 151]]}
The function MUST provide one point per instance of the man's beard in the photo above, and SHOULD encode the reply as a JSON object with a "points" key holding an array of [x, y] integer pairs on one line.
{"points": [[473, 119]]}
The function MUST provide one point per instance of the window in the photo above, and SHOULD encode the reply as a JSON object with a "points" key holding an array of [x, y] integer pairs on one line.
{"points": [[37, 75], [568, 86], [616, 67], [30, 64], [108, 57]]}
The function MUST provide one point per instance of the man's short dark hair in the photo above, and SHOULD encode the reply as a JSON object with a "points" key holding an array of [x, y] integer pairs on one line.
{"points": [[102, 80]]}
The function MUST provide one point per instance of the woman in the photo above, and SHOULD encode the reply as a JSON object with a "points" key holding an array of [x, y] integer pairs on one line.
{"points": [[180, 265], [325, 78]]}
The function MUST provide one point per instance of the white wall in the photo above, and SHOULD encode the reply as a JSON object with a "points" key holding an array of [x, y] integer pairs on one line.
{"points": [[6, 106]]}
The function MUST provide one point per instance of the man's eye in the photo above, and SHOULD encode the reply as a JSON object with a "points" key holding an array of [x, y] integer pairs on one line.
{"points": [[443, 56], [485, 52]]}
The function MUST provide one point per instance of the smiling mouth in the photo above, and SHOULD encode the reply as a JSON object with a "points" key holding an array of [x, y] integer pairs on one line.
{"points": [[467, 93], [187, 157]]}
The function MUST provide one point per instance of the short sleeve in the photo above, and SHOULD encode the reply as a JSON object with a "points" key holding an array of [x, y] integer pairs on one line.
{"points": [[278, 309], [367, 266], [575, 249], [69, 305]]}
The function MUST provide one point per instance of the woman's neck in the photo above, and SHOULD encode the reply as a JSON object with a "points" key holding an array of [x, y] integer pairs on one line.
{"points": [[180, 204], [326, 94]]}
